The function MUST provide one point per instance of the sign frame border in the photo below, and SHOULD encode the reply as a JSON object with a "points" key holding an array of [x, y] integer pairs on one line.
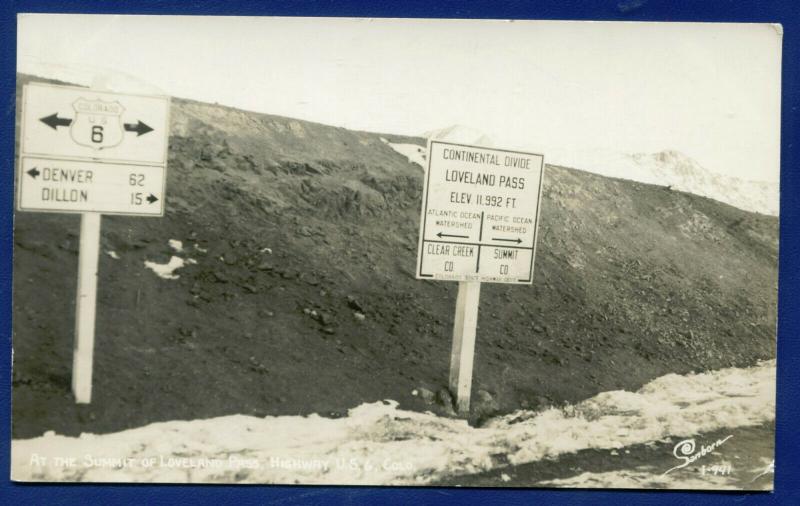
{"points": [[21, 154], [423, 218]]}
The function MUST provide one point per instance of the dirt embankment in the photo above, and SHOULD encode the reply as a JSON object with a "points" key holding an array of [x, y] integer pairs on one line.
{"points": [[302, 298]]}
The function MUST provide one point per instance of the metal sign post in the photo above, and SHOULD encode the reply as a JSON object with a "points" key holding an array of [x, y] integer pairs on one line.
{"points": [[88, 151], [479, 220]]}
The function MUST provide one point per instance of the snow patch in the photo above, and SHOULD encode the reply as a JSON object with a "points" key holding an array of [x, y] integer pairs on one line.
{"points": [[413, 152], [112, 254], [176, 245], [166, 271], [379, 444]]}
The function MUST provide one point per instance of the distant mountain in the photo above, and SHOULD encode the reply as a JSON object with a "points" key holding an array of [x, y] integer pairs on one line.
{"points": [[461, 134], [88, 75], [666, 168], [676, 170]]}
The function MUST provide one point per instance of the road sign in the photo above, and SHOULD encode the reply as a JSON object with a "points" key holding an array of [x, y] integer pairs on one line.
{"points": [[83, 150], [93, 152], [480, 214]]}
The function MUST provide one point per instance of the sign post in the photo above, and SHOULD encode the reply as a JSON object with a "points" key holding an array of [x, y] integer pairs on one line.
{"points": [[88, 151], [480, 213], [85, 307], [463, 352]]}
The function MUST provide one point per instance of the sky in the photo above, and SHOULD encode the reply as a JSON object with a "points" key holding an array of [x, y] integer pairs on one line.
{"points": [[711, 91]]}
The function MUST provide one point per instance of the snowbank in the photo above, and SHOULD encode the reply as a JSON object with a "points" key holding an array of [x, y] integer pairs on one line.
{"points": [[380, 444]]}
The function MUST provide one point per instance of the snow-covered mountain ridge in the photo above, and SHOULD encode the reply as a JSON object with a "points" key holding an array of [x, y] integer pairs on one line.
{"points": [[675, 170], [669, 168]]}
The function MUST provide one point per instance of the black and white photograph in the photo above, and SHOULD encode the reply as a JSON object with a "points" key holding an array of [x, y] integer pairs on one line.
{"points": [[395, 252]]}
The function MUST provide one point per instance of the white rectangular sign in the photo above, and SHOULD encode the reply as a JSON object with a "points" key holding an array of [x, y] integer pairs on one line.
{"points": [[480, 212], [83, 150], [71, 186]]}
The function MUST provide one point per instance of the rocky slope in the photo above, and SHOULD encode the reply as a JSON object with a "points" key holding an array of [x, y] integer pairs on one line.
{"points": [[297, 295]]}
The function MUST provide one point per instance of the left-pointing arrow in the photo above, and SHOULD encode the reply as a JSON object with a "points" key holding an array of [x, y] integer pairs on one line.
{"points": [[440, 235], [152, 198], [53, 121], [33, 172]]}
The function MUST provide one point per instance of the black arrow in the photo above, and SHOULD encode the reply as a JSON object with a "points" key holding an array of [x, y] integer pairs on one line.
{"points": [[440, 235], [33, 172], [152, 198], [517, 240], [138, 127], [53, 121]]}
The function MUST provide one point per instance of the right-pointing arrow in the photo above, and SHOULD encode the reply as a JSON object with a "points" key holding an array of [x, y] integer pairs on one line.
{"points": [[152, 198], [517, 240], [139, 127], [33, 172]]}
